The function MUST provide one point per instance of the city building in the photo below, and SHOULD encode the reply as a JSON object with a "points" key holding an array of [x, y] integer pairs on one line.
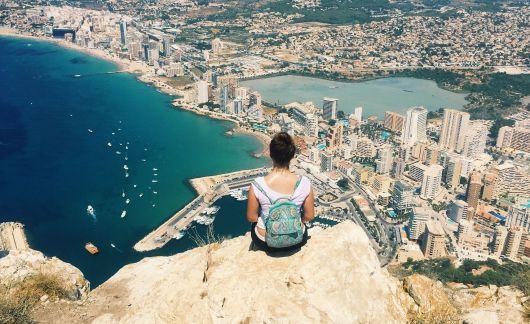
{"points": [[433, 241], [237, 106], [454, 127], [516, 137], [457, 210], [475, 140], [519, 214], [385, 159], [217, 46], [166, 47], [394, 121], [509, 178], [489, 184], [174, 69], [326, 161], [311, 125], [382, 184], [358, 113], [329, 108], [334, 137], [415, 128], [420, 217], [365, 148], [416, 171], [453, 170], [501, 233], [398, 167], [402, 197], [474, 190], [203, 91], [515, 242], [123, 32], [430, 184], [465, 230]]}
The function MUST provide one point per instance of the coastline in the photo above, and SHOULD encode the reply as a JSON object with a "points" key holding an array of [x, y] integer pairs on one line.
{"points": [[144, 74]]}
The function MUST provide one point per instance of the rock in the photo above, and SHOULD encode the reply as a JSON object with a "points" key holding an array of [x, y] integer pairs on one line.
{"points": [[335, 278], [19, 265], [44, 298], [433, 303], [490, 304]]}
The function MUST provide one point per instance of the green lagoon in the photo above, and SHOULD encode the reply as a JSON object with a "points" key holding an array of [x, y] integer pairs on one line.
{"points": [[376, 96]]}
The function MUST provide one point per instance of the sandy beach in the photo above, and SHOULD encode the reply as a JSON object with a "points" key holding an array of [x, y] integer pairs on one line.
{"points": [[145, 74]]}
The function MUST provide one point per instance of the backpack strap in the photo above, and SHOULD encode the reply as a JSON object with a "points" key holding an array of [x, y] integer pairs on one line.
{"points": [[296, 185], [256, 184]]}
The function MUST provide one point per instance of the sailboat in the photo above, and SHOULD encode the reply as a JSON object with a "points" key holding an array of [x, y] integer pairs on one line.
{"points": [[123, 213]]}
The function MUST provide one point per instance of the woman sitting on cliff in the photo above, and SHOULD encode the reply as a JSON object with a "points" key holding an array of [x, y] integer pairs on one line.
{"points": [[281, 202]]}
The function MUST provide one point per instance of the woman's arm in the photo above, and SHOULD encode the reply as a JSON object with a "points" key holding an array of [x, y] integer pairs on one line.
{"points": [[309, 207], [252, 206]]}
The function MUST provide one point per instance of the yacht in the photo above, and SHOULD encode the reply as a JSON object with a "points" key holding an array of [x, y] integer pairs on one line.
{"points": [[126, 158], [90, 131], [123, 193], [143, 160], [134, 186], [127, 200], [154, 180], [123, 213], [118, 152], [77, 75], [155, 192], [140, 195], [126, 147], [155, 169], [126, 174], [113, 133], [91, 248], [179, 235], [125, 167], [91, 211], [109, 144]]}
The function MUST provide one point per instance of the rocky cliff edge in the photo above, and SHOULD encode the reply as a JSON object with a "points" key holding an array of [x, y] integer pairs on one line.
{"points": [[335, 278]]}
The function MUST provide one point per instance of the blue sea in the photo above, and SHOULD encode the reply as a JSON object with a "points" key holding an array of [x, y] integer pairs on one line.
{"points": [[52, 167]]}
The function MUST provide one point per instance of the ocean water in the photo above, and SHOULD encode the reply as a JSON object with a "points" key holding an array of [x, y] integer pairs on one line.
{"points": [[52, 167], [376, 96]]}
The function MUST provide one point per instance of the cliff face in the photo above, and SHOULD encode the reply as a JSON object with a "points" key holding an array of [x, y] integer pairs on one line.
{"points": [[335, 278], [18, 267]]}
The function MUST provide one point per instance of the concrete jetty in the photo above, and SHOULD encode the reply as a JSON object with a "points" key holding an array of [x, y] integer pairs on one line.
{"points": [[12, 237], [209, 189]]}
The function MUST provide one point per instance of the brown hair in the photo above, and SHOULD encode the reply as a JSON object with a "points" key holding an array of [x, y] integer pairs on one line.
{"points": [[282, 149]]}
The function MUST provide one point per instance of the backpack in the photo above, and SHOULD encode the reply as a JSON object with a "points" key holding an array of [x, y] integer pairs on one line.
{"points": [[284, 223]]}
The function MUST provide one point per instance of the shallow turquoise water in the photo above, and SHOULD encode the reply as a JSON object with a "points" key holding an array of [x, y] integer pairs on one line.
{"points": [[52, 167], [376, 97]]}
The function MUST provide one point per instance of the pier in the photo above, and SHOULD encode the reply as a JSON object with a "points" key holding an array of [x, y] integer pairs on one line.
{"points": [[209, 189]]}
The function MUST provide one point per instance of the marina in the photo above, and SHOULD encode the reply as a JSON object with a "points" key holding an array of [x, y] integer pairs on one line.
{"points": [[199, 210]]}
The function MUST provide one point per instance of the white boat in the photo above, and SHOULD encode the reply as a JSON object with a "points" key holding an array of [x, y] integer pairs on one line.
{"points": [[126, 174], [143, 160], [125, 167], [134, 186], [126, 158], [113, 133], [109, 144], [121, 144], [90, 131], [155, 169], [126, 147], [77, 75], [123, 213], [119, 129], [154, 180], [154, 205], [127, 200], [112, 245], [155, 192], [123, 193], [145, 149], [179, 235], [155, 174], [140, 195], [127, 143], [118, 152], [91, 211]]}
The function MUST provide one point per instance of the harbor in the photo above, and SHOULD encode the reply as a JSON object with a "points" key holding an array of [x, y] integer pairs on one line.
{"points": [[209, 189]]}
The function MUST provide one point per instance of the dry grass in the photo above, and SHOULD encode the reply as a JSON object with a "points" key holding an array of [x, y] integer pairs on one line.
{"points": [[17, 300], [210, 237]]}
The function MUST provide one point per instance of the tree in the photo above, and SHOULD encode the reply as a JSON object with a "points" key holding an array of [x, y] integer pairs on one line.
{"points": [[341, 114], [343, 183]]}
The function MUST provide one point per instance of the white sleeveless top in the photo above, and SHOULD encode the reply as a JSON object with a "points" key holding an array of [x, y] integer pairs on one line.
{"points": [[298, 197]]}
